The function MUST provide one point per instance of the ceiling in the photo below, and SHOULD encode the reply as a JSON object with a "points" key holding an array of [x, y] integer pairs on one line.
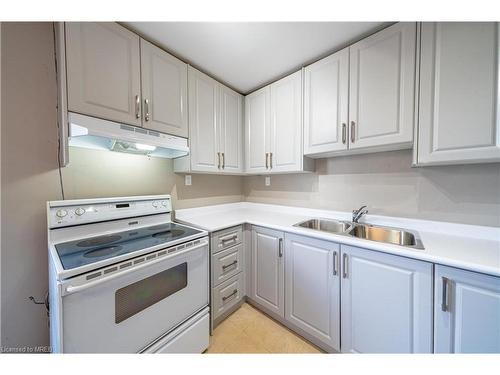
{"points": [[248, 55]]}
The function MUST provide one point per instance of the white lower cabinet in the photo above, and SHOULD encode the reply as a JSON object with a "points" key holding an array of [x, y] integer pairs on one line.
{"points": [[267, 287], [386, 303], [466, 312], [312, 287]]}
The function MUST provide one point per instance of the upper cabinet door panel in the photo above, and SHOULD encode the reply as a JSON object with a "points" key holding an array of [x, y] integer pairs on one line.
{"points": [[256, 130], [103, 71], [231, 130], [286, 124], [458, 113], [164, 87], [382, 87], [326, 95], [203, 104]]}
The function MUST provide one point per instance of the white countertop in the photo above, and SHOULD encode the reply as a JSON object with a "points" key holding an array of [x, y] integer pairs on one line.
{"points": [[470, 247]]}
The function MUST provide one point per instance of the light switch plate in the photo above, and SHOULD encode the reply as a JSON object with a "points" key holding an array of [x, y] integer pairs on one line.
{"points": [[268, 180], [187, 180]]}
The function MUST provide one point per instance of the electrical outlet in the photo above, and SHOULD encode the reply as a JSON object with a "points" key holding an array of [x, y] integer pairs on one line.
{"points": [[187, 180], [268, 180]]}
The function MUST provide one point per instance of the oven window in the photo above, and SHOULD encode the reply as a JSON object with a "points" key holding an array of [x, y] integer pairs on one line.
{"points": [[136, 297]]}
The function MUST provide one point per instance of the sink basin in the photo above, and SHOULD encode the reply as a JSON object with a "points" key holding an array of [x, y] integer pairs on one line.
{"points": [[325, 225], [388, 235]]}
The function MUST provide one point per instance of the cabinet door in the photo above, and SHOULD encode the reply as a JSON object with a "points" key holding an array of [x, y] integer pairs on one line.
{"points": [[103, 71], [285, 153], [257, 130], [268, 269], [466, 312], [203, 113], [382, 88], [231, 130], [386, 303], [164, 91], [458, 111], [312, 285], [326, 96]]}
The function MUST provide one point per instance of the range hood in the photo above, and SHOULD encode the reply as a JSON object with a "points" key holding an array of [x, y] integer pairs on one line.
{"points": [[98, 134]]}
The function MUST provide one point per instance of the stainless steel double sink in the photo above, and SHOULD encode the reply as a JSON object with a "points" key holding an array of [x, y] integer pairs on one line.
{"points": [[395, 236]]}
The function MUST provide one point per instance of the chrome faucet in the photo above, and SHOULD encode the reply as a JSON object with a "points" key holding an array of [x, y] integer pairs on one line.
{"points": [[357, 214]]}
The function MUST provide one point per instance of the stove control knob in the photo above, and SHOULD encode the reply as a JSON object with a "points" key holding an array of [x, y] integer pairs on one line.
{"points": [[79, 211], [155, 204], [61, 213], [164, 203]]}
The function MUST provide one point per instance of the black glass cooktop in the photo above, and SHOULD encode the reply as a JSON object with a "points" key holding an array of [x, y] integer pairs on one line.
{"points": [[79, 253]]}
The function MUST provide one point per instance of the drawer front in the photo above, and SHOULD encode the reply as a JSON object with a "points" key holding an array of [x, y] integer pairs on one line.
{"points": [[226, 238], [227, 263], [227, 295]]}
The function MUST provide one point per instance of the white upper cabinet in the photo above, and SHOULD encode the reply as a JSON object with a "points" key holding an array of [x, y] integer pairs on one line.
{"points": [[285, 152], [466, 312], [312, 287], [257, 119], [273, 126], [386, 303], [382, 88], [103, 71], [203, 118], [215, 127], [164, 91], [231, 130], [326, 96], [458, 107]]}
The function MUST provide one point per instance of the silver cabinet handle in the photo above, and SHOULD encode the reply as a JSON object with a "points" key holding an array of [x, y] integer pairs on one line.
{"points": [[335, 270], [445, 301], [230, 265], [223, 160], [271, 160], [218, 160], [227, 239], [344, 133], [345, 262], [230, 295], [267, 164], [280, 248], [353, 133], [146, 109], [137, 106]]}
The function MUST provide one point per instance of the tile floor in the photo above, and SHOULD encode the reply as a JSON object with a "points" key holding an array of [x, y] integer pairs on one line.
{"points": [[248, 330]]}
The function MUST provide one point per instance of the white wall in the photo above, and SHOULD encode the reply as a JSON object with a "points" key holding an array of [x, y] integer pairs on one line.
{"points": [[389, 186]]}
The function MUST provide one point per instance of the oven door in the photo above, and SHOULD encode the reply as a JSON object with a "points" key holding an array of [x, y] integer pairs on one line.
{"points": [[125, 312]]}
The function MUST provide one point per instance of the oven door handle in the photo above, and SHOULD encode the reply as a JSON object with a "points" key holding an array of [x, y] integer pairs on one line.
{"points": [[78, 288]]}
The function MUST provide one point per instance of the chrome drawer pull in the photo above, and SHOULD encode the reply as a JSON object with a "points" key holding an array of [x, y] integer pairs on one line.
{"points": [[445, 302], [345, 265], [227, 239], [344, 133], [230, 265], [335, 263], [231, 295]]}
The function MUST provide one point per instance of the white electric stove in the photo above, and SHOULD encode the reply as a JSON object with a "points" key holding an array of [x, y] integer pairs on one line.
{"points": [[124, 278]]}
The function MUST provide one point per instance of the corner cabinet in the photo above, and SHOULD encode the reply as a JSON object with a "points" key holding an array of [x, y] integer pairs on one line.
{"points": [[215, 127], [267, 270], [386, 303], [312, 288], [458, 103], [273, 127], [103, 71], [466, 312]]}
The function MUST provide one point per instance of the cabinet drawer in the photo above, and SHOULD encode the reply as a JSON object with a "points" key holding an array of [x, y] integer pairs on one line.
{"points": [[227, 263], [226, 238], [227, 295]]}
